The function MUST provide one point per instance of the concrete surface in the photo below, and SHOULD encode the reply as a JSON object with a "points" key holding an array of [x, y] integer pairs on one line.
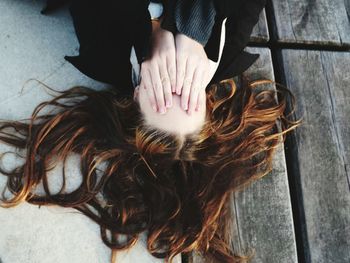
{"points": [[33, 46]]}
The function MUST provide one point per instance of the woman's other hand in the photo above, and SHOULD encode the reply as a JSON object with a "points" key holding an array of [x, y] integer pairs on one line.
{"points": [[192, 69], [158, 72]]}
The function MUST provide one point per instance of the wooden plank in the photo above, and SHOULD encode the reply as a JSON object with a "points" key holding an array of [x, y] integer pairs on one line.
{"points": [[321, 151], [262, 217], [324, 22], [260, 32], [263, 210]]}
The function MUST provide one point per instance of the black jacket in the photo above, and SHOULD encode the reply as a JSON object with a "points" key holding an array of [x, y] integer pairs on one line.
{"points": [[107, 29]]}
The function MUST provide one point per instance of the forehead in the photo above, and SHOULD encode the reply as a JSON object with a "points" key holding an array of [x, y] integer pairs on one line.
{"points": [[175, 120]]}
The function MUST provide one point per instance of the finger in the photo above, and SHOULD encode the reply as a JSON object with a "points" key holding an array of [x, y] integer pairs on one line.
{"points": [[196, 86], [166, 85], [180, 73], [171, 66], [158, 89], [201, 99], [187, 84], [146, 84]]}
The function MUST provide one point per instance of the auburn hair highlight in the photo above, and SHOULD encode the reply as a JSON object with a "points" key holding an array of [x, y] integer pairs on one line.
{"points": [[136, 178]]}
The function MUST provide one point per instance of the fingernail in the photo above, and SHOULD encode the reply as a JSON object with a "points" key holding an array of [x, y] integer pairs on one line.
{"points": [[189, 112], [162, 110], [154, 108], [185, 107]]}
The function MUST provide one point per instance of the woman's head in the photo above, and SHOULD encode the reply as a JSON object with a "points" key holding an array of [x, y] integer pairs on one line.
{"points": [[175, 189], [175, 121]]}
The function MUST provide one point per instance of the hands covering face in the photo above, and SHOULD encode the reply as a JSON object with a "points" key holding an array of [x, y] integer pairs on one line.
{"points": [[176, 64]]}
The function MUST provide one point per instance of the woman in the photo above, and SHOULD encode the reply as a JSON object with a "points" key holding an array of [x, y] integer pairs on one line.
{"points": [[137, 176], [107, 31]]}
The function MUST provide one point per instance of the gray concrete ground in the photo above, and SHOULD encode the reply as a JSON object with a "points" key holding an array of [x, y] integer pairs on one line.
{"points": [[32, 46]]}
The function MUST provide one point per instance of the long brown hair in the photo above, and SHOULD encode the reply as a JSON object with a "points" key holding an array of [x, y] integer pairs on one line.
{"points": [[136, 178]]}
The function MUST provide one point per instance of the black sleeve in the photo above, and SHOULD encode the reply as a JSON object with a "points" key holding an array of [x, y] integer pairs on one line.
{"points": [[242, 15], [241, 21], [106, 31], [193, 18]]}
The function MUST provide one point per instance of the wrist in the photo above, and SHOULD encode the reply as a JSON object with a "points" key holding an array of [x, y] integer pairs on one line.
{"points": [[156, 25], [187, 40], [156, 22]]}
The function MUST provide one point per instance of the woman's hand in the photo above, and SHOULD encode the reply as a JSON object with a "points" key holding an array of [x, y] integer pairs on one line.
{"points": [[158, 73], [192, 69]]}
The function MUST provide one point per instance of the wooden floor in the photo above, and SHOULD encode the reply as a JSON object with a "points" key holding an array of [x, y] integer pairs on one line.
{"points": [[300, 212]]}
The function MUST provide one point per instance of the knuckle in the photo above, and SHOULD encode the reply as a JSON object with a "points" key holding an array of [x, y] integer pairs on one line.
{"points": [[162, 56], [195, 90], [164, 78], [157, 87], [151, 98], [143, 73], [166, 83], [171, 71], [187, 81], [172, 78], [153, 66], [146, 64], [181, 56], [167, 88], [202, 61], [168, 54], [181, 73]]}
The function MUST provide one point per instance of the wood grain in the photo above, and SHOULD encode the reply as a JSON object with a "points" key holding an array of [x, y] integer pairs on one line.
{"points": [[260, 32], [320, 81], [262, 216], [324, 22]]}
